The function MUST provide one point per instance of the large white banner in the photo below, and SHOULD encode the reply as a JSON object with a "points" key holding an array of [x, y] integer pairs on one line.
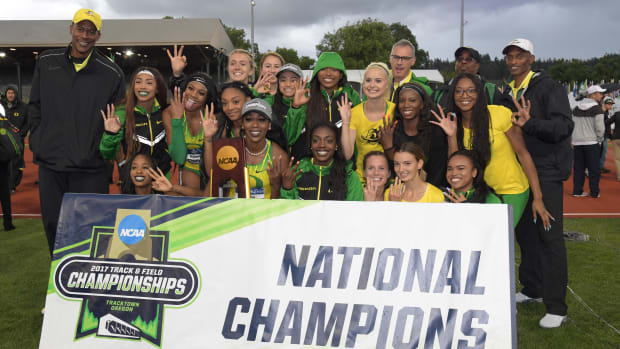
{"points": [[280, 274]]}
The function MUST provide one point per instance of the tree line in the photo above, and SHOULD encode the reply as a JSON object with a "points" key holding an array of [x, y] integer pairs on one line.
{"points": [[370, 40]]}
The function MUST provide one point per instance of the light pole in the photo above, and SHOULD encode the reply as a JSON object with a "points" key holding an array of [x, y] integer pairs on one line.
{"points": [[252, 4], [462, 20]]}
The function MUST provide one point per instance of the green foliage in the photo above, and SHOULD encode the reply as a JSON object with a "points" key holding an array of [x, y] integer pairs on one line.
{"points": [[400, 31], [563, 70], [238, 39], [368, 40], [167, 17], [306, 62], [289, 55]]}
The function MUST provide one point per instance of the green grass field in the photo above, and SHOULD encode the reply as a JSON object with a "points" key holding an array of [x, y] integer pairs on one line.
{"points": [[594, 271]]}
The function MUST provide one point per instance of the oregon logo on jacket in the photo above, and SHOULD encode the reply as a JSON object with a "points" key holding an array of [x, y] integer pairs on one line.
{"points": [[126, 281]]}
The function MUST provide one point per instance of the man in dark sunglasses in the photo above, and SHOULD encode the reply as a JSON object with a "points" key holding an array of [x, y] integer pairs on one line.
{"points": [[468, 61]]}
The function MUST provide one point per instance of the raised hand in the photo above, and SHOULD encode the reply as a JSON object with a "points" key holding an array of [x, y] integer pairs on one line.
{"points": [[345, 109], [160, 182], [372, 190], [386, 132], [397, 190], [263, 84], [274, 172], [523, 111], [178, 62], [176, 104], [302, 93], [111, 122], [447, 123], [209, 122], [289, 174]]}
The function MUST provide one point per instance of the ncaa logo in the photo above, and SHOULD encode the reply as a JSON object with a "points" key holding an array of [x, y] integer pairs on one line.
{"points": [[132, 229]]}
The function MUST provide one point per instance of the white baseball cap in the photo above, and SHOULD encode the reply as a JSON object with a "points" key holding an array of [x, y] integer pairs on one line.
{"points": [[595, 88], [523, 44]]}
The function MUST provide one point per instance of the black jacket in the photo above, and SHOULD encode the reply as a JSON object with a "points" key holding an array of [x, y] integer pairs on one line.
{"points": [[64, 109], [17, 115], [547, 133]]}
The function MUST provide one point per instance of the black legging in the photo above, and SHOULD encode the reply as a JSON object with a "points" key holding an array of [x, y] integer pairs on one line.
{"points": [[5, 195]]}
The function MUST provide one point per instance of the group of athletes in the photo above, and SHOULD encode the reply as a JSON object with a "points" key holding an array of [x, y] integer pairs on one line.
{"points": [[315, 138]]}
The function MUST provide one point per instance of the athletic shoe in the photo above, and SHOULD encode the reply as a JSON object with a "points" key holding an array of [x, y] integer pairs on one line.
{"points": [[552, 321], [522, 298], [605, 170], [582, 195], [596, 196], [8, 226]]}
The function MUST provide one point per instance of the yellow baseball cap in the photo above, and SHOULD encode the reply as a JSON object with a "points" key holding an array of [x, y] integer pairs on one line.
{"points": [[85, 14]]}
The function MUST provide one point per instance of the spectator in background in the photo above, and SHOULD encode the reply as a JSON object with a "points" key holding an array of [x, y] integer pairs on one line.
{"points": [[608, 104], [402, 58], [5, 194], [467, 60], [70, 88], [615, 140], [17, 116], [587, 137]]}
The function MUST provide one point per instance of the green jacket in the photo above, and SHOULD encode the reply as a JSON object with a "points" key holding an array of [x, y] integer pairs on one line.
{"points": [[294, 120], [312, 184], [110, 142], [421, 80]]}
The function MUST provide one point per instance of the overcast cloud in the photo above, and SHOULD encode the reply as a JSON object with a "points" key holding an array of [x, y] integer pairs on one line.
{"points": [[558, 28]]}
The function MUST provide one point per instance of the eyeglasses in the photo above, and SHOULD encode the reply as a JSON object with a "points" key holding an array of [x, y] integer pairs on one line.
{"points": [[465, 59], [469, 91], [400, 58]]}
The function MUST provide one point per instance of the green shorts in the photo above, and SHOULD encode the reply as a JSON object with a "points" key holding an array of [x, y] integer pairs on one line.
{"points": [[518, 202]]}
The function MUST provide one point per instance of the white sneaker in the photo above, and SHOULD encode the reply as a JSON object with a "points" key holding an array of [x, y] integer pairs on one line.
{"points": [[552, 321], [522, 298]]}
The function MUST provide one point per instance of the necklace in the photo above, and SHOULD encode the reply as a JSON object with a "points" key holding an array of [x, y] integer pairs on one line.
{"points": [[259, 153]]}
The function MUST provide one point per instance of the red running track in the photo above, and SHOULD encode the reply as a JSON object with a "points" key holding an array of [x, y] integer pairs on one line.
{"points": [[25, 201]]}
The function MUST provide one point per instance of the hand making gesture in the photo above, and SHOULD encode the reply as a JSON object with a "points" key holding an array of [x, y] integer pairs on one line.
{"points": [[111, 122], [289, 174], [447, 123], [302, 93], [209, 122], [160, 182], [386, 132], [523, 111], [345, 109], [176, 104], [178, 62], [397, 190]]}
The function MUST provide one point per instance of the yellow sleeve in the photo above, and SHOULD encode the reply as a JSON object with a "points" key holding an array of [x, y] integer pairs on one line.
{"points": [[500, 118]]}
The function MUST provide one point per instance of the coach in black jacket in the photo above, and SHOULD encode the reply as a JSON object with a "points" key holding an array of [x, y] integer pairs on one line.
{"points": [[547, 128], [70, 87]]}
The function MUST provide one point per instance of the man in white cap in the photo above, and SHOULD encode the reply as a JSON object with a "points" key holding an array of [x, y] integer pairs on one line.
{"points": [[587, 137], [543, 113], [70, 88]]}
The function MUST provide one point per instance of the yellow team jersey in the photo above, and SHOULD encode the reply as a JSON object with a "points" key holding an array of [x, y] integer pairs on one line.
{"points": [[432, 194], [503, 172], [260, 186], [367, 133]]}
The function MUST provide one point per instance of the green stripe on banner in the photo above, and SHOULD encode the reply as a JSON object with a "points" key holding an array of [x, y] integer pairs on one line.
{"points": [[224, 218], [180, 208]]}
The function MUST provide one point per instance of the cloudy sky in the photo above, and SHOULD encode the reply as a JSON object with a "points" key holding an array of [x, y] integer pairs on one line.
{"points": [[558, 28]]}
